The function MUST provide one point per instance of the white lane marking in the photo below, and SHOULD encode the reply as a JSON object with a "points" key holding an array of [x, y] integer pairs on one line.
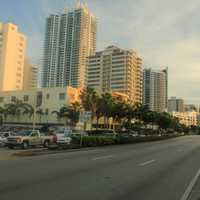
{"points": [[190, 186], [147, 162], [103, 157]]}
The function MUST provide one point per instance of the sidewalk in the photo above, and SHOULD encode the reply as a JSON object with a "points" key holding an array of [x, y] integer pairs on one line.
{"points": [[5, 154]]}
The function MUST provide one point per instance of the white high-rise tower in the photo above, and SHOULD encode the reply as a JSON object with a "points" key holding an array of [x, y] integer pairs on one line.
{"points": [[70, 38]]}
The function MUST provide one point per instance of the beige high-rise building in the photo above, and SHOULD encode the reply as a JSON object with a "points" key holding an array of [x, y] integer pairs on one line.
{"points": [[116, 70], [12, 54], [30, 76]]}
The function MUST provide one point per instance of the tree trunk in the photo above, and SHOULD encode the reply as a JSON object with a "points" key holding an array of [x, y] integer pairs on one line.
{"points": [[104, 122], [97, 123]]}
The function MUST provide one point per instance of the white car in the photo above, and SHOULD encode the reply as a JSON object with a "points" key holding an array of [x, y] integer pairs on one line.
{"points": [[59, 137], [64, 139], [4, 137]]}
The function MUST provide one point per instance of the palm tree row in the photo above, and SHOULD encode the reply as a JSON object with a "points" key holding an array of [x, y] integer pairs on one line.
{"points": [[104, 107], [16, 109], [121, 112], [69, 113]]}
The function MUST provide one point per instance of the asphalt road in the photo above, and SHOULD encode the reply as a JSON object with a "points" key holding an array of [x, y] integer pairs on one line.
{"points": [[147, 171]]}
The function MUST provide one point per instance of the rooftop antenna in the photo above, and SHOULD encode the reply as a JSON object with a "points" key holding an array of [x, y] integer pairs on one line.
{"points": [[78, 3], [85, 5], [65, 9]]}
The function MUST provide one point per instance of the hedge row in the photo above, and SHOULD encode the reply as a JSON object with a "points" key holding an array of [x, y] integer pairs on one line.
{"points": [[132, 140], [93, 141]]}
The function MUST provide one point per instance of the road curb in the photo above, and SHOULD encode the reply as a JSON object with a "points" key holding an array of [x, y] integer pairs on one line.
{"points": [[40, 152]]}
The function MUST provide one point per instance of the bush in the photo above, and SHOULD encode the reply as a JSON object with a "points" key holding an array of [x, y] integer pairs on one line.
{"points": [[138, 139], [93, 141]]}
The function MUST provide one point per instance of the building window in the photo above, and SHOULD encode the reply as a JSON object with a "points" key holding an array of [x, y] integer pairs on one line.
{"points": [[62, 96], [1, 99], [26, 98], [39, 99], [13, 98], [47, 96], [46, 111]]}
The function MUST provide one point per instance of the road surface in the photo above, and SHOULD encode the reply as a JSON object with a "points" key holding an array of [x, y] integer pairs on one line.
{"points": [[148, 171]]}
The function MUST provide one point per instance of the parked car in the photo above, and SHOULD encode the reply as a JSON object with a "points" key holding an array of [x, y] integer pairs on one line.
{"points": [[25, 139], [103, 132], [65, 138], [79, 133], [4, 137], [133, 133], [59, 136]]}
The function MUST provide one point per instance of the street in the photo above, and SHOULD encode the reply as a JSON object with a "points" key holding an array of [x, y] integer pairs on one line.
{"points": [[148, 171]]}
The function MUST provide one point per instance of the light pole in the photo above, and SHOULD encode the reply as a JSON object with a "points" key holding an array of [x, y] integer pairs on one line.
{"points": [[34, 110]]}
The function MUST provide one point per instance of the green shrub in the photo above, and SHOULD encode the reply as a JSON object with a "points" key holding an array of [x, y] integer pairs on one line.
{"points": [[131, 140], [93, 141]]}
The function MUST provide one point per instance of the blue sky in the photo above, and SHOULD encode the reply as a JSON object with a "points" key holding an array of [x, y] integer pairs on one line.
{"points": [[165, 33]]}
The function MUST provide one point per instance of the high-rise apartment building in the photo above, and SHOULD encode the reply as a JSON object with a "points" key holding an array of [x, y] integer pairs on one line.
{"points": [[116, 70], [30, 76], [175, 105], [155, 89], [70, 38], [12, 54]]}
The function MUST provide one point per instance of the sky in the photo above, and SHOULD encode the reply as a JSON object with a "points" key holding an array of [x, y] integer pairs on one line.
{"points": [[164, 33]]}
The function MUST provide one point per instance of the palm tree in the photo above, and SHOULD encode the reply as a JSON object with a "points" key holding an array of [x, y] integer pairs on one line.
{"points": [[40, 113], [89, 100], [99, 111], [76, 106], [14, 109], [28, 110], [118, 112], [107, 102], [58, 114], [3, 114], [141, 111], [130, 113], [71, 115], [17, 108]]}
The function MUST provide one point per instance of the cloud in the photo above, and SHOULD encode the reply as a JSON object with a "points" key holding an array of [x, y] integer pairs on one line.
{"points": [[166, 33]]}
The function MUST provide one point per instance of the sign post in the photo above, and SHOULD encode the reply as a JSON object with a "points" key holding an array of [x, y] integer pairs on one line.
{"points": [[85, 117]]}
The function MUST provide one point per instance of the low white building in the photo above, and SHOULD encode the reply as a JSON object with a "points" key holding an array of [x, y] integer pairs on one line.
{"points": [[43, 100], [187, 118]]}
